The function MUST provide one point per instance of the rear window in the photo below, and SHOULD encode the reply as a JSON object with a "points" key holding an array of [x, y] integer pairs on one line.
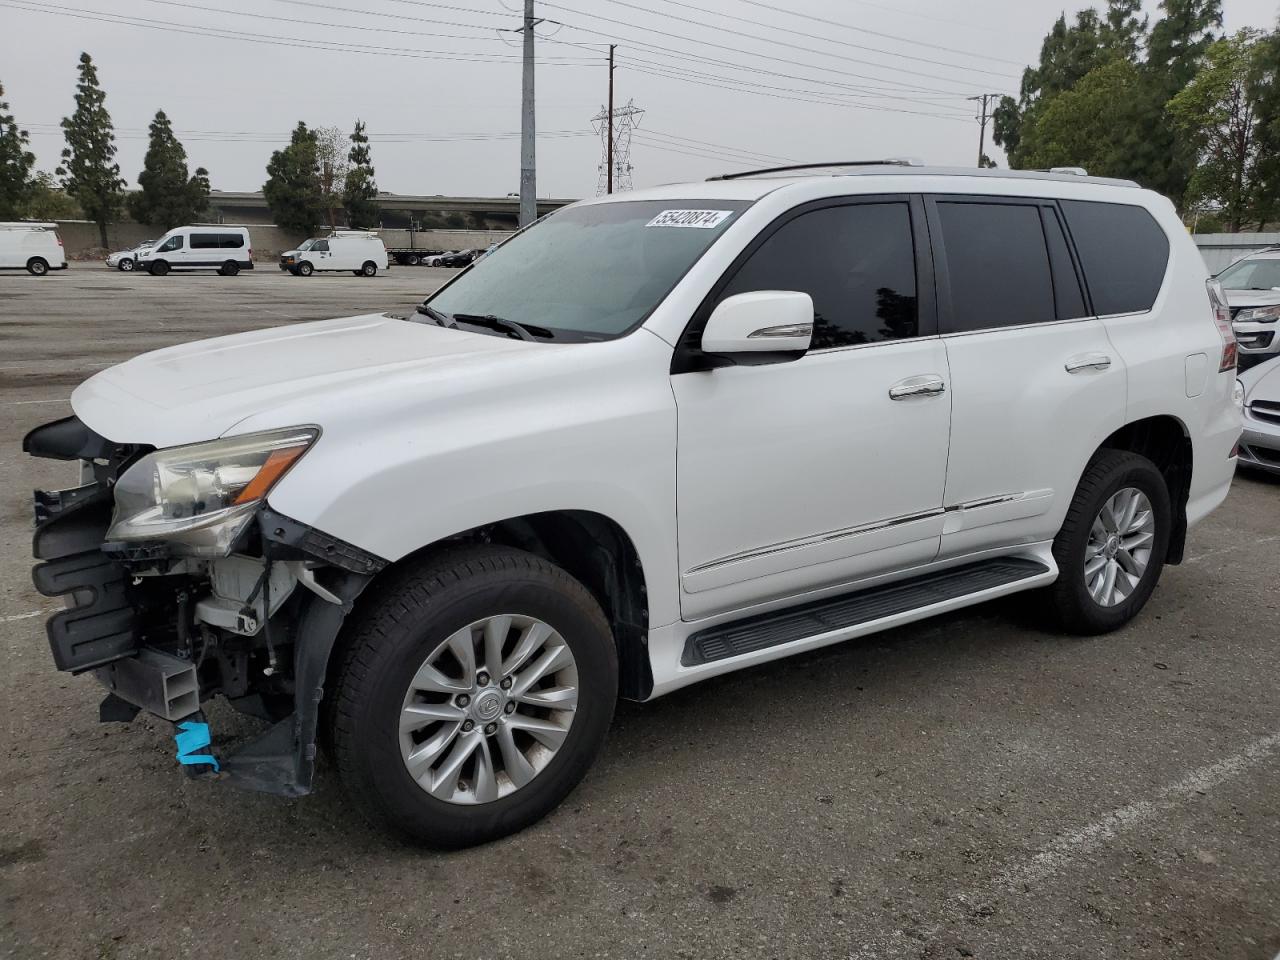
{"points": [[232, 241], [1123, 251]]}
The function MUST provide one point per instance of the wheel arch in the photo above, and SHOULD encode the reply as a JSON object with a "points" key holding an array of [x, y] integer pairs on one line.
{"points": [[1166, 442], [595, 550]]}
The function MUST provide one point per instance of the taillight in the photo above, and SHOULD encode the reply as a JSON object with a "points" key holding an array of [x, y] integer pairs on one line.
{"points": [[251, 253], [58, 238], [1222, 317]]}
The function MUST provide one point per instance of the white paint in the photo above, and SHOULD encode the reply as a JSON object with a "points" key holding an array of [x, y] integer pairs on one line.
{"points": [[1080, 843], [23, 403], [22, 616]]}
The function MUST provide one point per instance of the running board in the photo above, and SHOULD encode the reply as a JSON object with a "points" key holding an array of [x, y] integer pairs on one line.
{"points": [[853, 609]]}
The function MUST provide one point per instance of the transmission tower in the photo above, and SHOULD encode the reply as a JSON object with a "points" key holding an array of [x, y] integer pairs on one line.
{"points": [[625, 119]]}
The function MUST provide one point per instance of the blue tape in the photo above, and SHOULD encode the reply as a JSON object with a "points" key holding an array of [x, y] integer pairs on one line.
{"points": [[191, 737]]}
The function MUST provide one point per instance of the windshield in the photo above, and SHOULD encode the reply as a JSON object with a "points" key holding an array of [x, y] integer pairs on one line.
{"points": [[1251, 275], [590, 272], [306, 245]]}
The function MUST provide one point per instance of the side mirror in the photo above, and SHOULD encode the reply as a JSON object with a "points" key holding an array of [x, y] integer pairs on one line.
{"points": [[778, 322]]}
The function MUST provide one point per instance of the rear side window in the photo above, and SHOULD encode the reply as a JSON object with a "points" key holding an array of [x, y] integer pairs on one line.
{"points": [[232, 241], [997, 264], [204, 241], [1123, 251], [857, 262]]}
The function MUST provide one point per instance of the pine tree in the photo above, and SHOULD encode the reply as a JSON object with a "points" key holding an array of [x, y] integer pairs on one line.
{"points": [[360, 195], [292, 190], [167, 195], [16, 162], [89, 171]]}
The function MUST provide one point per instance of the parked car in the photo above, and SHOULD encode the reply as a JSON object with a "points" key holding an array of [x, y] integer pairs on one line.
{"points": [[451, 540], [1260, 399], [126, 260], [228, 250], [435, 260], [459, 259], [352, 251], [34, 247], [1253, 290]]}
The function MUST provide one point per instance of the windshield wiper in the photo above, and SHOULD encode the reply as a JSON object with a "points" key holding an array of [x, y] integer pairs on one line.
{"points": [[523, 331], [429, 311]]}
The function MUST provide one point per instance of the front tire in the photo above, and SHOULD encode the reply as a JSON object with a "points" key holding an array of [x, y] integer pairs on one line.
{"points": [[304, 269], [37, 266], [368, 268], [159, 268], [474, 691], [1112, 544]]}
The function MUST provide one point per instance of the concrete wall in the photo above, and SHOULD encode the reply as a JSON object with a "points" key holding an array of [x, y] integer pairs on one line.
{"points": [[1220, 250], [81, 241]]}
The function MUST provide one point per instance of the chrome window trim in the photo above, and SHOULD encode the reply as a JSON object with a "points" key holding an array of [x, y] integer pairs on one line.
{"points": [[1020, 326]]}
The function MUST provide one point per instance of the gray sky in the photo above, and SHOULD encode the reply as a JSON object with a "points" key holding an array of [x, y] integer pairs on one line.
{"points": [[441, 122]]}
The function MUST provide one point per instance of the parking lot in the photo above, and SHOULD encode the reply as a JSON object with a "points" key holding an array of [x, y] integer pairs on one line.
{"points": [[967, 786]]}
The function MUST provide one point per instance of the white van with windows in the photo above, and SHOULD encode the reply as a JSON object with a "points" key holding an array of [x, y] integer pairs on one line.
{"points": [[34, 247], [228, 250], [360, 251]]}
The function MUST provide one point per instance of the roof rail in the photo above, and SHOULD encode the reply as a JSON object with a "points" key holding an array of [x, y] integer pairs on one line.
{"points": [[890, 162], [1074, 171]]}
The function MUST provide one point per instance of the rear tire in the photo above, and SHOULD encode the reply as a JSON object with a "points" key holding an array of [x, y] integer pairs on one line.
{"points": [[304, 269], [1112, 544], [412, 622], [229, 269], [412, 260], [159, 268], [369, 268], [37, 266]]}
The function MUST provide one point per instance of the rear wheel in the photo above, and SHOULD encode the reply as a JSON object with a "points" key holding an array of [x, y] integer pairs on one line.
{"points": [[159, 268], [1112, 545], [304, 269], [126, 264], [37, 266], [474, 692], [230, 269], [412, 260], [369, 268]]}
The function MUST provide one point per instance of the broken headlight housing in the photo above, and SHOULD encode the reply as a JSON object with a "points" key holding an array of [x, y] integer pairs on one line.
{"points": [[198, 499]]}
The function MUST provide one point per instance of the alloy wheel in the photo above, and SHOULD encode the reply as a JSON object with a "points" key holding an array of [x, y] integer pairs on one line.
{"points": [[1119, 547], [488, 709]]}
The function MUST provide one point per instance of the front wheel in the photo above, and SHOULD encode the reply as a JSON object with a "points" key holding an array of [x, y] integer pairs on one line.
{"points": [[1112, 545], [369, 268], [304, 269], [474, 692], [159, 268], [37, 267]]}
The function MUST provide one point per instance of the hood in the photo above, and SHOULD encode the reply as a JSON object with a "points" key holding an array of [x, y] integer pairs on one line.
{"points": [[1252, 298], [199, 391], [1262, 382]]}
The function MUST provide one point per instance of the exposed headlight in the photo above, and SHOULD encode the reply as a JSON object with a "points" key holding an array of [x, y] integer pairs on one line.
{"points": [[1259, 314], [200, 498], [1237, 395]]}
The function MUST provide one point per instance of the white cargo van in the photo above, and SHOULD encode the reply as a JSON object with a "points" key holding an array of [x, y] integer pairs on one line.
{"points": [[34, 247], [227, 250], [361, 252]]}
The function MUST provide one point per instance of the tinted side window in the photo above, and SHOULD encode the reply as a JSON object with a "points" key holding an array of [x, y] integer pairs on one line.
{"points": [[232, 241], [320, 245], [997, 263], [1123, 251], [204, 241], [1066, 284], [856, 261]]}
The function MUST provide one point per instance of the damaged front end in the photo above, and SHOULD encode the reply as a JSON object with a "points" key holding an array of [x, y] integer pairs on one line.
{"points": [[182, 584]]}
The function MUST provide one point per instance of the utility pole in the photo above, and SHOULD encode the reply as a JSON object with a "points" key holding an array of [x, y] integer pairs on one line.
{"points": [[528, 156], [982, 124], [609, 150]]}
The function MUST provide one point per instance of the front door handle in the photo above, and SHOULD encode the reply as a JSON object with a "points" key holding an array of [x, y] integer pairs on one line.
{"points": [[927, 386], [1088, 361]]}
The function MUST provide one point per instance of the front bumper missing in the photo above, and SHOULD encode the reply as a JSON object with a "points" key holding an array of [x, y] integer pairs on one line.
{"points": [[134, 632]]}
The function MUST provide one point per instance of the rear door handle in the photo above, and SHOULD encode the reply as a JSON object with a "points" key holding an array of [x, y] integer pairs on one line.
{"points": [[926, 386], [1088, 361]]}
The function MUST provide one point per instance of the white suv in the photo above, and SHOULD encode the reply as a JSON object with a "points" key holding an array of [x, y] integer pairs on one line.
{"points": [[654, 438], [1252, 285]]}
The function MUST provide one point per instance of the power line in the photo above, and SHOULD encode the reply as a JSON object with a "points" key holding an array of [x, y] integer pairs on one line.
{"points": [[771, 41], [797, 33]]}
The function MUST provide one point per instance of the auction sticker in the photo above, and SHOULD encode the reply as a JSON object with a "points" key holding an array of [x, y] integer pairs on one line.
{"points": [[701, 219]]}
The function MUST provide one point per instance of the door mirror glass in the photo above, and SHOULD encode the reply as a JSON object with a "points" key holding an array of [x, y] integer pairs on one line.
{"points": [[763, 321]]}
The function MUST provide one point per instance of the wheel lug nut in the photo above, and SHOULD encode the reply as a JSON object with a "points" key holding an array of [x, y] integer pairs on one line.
{"points": [[490, 728], [510, 707], [506, 683], [482, 679], [463, 700], [467, 726]]}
